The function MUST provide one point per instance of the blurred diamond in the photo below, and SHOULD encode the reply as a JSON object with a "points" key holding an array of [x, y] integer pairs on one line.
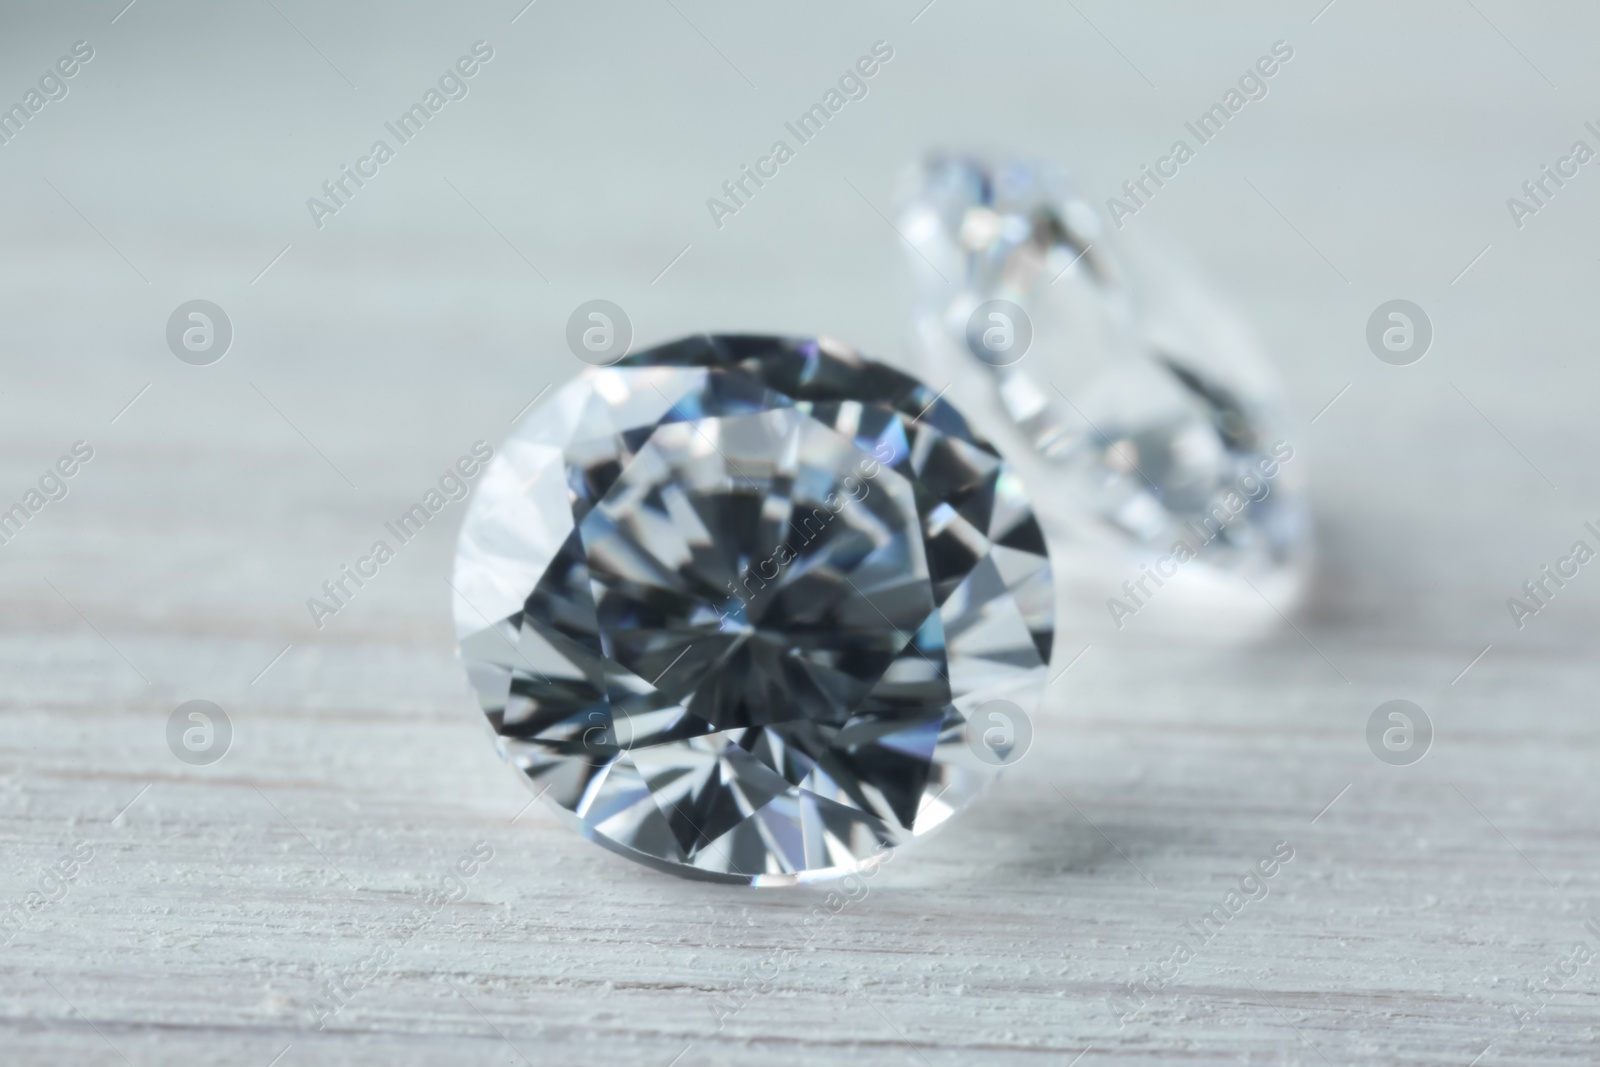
{"points": [[1159, 419], [732, 600]]}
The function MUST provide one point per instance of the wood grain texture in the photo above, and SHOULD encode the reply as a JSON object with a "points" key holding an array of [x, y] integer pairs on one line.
{"points": [[1420, 901]]}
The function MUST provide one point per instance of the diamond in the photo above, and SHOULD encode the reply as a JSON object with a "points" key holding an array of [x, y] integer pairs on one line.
{"points": [[731, 602], [1157, 418]]}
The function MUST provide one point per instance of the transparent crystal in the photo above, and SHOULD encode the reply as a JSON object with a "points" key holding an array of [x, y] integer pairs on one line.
{"points": [[732, 601], [1146, 415]]}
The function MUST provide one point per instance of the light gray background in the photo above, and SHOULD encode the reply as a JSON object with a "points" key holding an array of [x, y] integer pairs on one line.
{"points": [[413, 324]]}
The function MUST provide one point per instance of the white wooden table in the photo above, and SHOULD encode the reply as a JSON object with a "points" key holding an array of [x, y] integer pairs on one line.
{"points": [[219, 900]]}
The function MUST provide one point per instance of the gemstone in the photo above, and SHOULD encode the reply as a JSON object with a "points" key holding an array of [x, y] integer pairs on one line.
{"points": [[1156, 416], [732, 601]]}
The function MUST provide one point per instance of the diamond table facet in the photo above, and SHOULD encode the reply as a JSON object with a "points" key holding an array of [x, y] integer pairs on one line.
{"points": [[732, 601]]}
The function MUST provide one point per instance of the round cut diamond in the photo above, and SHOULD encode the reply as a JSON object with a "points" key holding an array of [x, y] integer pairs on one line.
{"points": [[1157, 416], [732, 601]]}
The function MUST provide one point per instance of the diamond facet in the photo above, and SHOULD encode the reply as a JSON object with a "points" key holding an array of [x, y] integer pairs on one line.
{"points": [[732, 601]]}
